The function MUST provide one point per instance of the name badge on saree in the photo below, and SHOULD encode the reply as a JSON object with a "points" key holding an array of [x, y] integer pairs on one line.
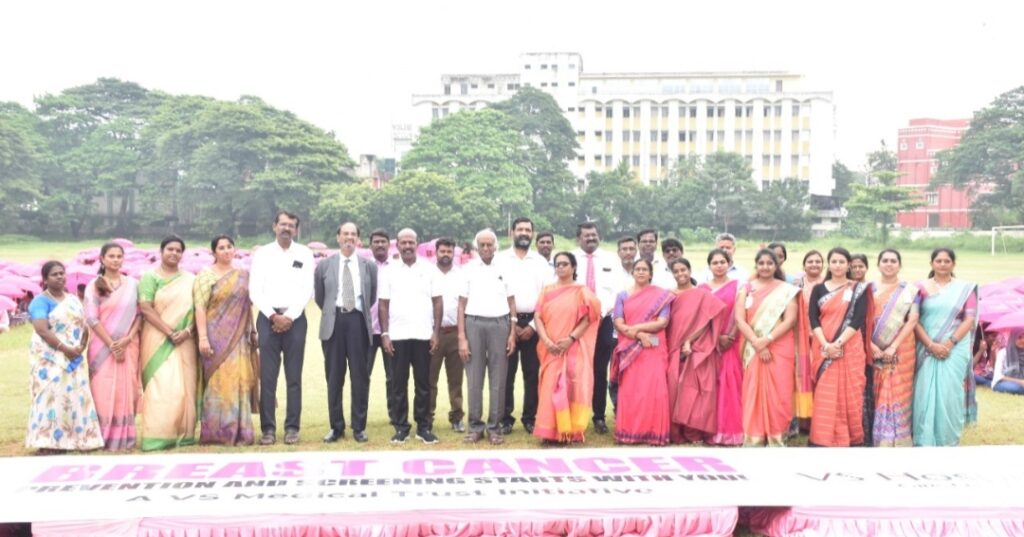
{"points": [[847, 295], [749, 302]]}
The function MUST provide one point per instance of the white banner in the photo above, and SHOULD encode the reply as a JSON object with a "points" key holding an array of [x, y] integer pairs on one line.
{"points": [[36, 489]]}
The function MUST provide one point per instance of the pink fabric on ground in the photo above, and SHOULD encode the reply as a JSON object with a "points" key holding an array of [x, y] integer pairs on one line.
{"points": [[843, 522], [720, 521]]}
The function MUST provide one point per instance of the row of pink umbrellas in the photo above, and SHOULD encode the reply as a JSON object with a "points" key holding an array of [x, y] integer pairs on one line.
{"points": [[1002, 304], [17, 280]]}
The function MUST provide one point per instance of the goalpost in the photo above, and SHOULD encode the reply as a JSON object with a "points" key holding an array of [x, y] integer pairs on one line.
{"points": [[996, 229]]}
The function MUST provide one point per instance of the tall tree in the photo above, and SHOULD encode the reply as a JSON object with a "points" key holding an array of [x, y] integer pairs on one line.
{"points": [[23, 158], [782, 209], [482, 154], [728, 178], [879, 202], [605, 196], [989, 162], [552, 144]]}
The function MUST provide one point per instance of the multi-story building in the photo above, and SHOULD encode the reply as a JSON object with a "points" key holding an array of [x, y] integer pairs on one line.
{"points": [[651, 120], [945, 206]]}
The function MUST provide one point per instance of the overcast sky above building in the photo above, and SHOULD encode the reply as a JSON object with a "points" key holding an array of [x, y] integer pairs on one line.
{"points": [[352, 67]]}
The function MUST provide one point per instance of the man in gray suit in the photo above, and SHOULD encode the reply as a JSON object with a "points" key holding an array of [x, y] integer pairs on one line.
{"points": [[345, 286]]}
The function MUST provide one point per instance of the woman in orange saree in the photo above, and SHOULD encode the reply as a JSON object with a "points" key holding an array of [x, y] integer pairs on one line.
{"points": [[803, 397], [893, 352], [568, 316], [693, 362], [640, 361], [765, 313], [838, 314]]}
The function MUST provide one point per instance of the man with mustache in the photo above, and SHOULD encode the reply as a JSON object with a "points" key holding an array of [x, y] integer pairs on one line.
{"points": [[410, 319], [671, 249], [545, 245], [345, 287], [447, 351], [600, 271], [280, 286], [527, 272], [380, 244]]}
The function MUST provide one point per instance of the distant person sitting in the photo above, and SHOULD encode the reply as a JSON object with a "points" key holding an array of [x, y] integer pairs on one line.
{"points": [[986, 346], [1009, 370]]}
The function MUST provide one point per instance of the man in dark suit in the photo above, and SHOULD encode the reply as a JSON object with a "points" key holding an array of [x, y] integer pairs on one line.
{"points": [[345, 287]]}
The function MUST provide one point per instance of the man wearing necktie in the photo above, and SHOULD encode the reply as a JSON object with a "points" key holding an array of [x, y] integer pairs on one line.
{"points": [[345, 287], [600, 271]]}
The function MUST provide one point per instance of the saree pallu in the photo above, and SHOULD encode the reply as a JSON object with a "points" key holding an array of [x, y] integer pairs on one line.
{"points": [[803, 397], [566, 383], [62, 415], [169, 371], [894, 382], [768, 387], [941, 393], [730, 373], [693, 382], [839, 383], [230, 385], [115, 384], [642, 413]]}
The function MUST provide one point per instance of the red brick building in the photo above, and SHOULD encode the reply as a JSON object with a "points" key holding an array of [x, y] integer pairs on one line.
{"points": [[946, 207]]}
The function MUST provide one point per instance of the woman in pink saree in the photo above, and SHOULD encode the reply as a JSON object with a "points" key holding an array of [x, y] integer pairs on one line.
{"points": [[568, 315], [640, 361], [112, 313], [692, 361], [730, 368]]}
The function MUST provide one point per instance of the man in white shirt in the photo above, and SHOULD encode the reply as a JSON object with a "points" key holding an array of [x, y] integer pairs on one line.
{"points": [[670, 249], [486, 338], [280, 286], [447, 351], [626, 248], [545, 247], [599, 270], [410, 318], [345, 286], [527, 272], [727, 242], [647, 241]]}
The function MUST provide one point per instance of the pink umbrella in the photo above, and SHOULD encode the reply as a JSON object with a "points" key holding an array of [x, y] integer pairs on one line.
{"points": [[11, 291], [7, 304], [76, 275], [317, 245], [24, 283], [993, 307], [1010, 321], [125, 243]]}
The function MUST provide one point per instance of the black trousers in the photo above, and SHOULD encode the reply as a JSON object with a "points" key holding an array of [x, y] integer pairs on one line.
{"points": [[414, 353], [347, 349], [525, 355], [606, 342], [388, 365], [292, 345]]}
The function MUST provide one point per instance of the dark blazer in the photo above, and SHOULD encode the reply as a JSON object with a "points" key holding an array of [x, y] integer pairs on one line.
{"points": [[327, 287]]}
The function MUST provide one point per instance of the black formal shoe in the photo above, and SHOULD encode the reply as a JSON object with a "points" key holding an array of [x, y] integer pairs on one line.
{"points": [[600, 427], [333, 436], [528, 427], [291, 437], [506, 429], [268, 439], [360, 436]]}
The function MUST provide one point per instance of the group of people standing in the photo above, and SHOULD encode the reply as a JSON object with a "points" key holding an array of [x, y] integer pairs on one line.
{"points": [[722, 357]]}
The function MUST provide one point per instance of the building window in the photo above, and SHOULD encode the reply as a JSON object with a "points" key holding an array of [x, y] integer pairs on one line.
{"points": [[554, 84], [435, 113], [593, 89], [597, 133], [693, 111], [527, 66], [777, 161], [572, 66], [510, 86], [447, 89], [608, 136], [778, 86], [473, 86], [664, 136], [778, 110], [636, 111], [636, 136], [933, 198], [654, 136], [664, 111], [767, 111], [527, 84], [919, 145], [636, 160], [693, 136], [608, 112], [794, 162], [625, 112], [608, 160], [778, 136], [682, 136], [721, 111], [766, 161], [796, 109], [598, 109], [490, 86], [543, 66], [581, 134], [654, 161], [625, 136], [571, 109], [572, 84], [711, 111], [749, 110], [795, 137], [543, 84], [710, 136], [598, 159]]}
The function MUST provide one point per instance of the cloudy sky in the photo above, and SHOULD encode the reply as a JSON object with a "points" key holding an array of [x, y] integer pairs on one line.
{"points": [[351, 67]]}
